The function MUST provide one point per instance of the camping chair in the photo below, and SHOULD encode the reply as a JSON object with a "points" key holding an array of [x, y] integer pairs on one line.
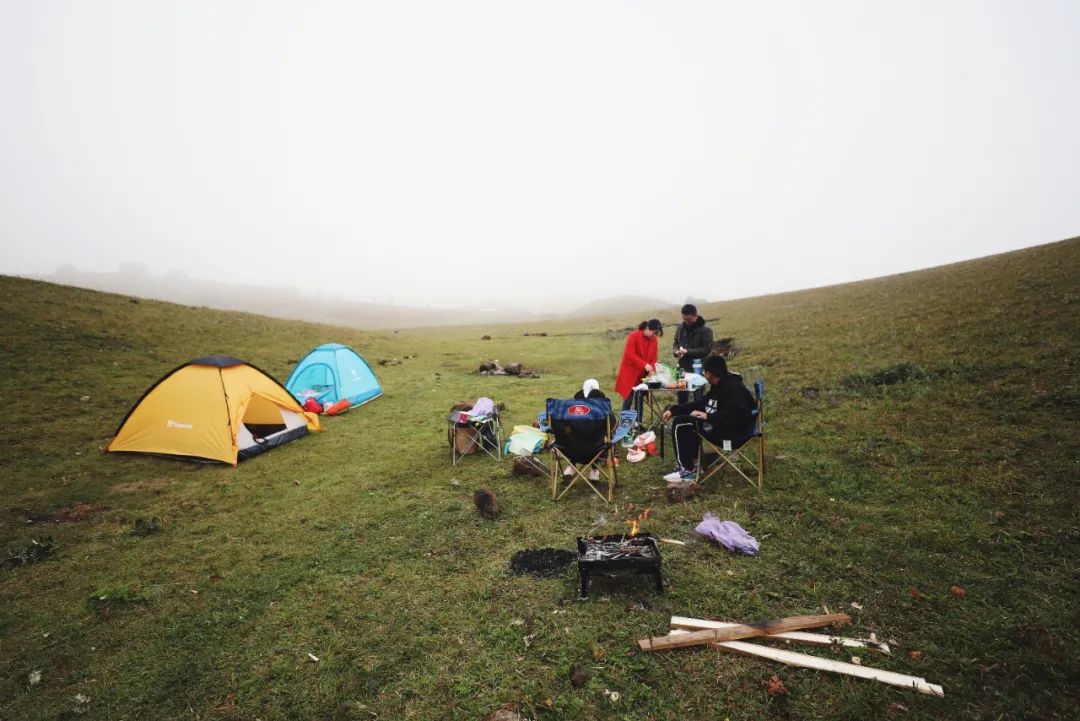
{"points": [[734, 452], [584, 433], [481, 433]]}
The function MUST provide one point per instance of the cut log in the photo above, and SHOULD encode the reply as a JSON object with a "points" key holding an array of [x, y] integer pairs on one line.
{"points": [[823, 664], [737, 631], [811, 639]]}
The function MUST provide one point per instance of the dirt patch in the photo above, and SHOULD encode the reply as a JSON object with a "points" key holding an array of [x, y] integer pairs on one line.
{"points": [[540, 562], [155, 484], [79, 512]]}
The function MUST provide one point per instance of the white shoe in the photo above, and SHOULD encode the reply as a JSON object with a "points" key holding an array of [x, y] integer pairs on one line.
{"points": [[569, 472], [594, 474], [681, 475]]}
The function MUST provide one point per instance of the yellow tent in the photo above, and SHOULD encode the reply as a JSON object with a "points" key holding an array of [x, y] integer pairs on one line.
{"points": [[215, 408]]}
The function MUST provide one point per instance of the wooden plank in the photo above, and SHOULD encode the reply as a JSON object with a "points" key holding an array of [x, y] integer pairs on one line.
{"points": [[811, 639], [823, 664], [737, 631]]}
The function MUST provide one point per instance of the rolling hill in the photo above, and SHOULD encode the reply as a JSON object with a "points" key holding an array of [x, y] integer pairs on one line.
{"points": [[922, 438]]}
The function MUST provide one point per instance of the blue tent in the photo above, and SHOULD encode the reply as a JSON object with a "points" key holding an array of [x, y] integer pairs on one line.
{"points": [[332, 372]]}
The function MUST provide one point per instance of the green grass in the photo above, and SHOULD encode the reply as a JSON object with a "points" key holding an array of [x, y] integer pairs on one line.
{"points": [[923, 433]]}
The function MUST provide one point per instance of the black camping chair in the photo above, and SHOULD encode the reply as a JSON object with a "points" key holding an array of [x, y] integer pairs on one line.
{"points": [[736, 452], [585, 433]]}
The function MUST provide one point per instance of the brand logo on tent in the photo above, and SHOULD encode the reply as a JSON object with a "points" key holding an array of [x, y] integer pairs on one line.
{"points": [[173, 424], [578, 410]]}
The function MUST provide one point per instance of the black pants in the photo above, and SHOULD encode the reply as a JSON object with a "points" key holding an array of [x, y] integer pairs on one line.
{"points": [[684, 430]]}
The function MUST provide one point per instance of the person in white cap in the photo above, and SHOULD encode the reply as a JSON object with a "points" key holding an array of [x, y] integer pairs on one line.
{"points": [[590, 389]]}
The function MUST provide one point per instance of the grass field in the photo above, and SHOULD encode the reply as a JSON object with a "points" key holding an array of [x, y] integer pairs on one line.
{"points": [[362, 547]]}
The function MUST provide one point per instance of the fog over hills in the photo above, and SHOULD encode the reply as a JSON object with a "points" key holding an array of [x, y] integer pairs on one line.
{"points": [[287, 302]]}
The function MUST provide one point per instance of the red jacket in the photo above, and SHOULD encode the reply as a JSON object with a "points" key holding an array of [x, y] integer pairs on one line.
{"points": [[639, 351]]}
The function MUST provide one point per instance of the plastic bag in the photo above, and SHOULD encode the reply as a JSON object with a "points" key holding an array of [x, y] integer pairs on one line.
{"points": [[729, 534], [663, 374]]}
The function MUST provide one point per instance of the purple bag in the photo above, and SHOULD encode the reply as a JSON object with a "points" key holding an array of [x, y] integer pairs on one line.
{"points": [[728, 533]]}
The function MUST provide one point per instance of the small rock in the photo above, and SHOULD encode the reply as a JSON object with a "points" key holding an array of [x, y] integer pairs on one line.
{"points": [[485, 337], [527, 466], [612, 696], [681, 492], [84, 399], [296, 482], [506, 713], [35, 678], [775, 687], [856, 660], [486, 503]]}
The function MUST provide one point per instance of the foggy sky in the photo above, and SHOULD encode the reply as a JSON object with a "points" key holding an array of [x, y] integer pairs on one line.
{"points": [[533, 153]]}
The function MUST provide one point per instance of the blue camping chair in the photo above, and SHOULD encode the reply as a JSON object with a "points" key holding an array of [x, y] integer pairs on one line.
{"points": [[585, 433], [734, 453]]}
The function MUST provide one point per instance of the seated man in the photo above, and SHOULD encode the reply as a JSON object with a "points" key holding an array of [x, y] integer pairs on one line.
{"points": [[725, 413], [589, 389]]}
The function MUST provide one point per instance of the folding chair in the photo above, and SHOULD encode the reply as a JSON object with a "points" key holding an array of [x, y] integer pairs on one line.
{"points": [[734, 452], [585, 432], [485, 435]]}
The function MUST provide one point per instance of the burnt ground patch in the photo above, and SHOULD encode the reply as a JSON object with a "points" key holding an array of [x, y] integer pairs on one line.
{"points": [[541, 562]]}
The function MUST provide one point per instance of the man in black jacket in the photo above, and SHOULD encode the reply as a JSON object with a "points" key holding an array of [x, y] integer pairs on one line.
{"points": [[725, 413], [693, 341]]}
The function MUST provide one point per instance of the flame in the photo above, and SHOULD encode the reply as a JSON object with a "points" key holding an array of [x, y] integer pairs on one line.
{"points": [[635, 524]]}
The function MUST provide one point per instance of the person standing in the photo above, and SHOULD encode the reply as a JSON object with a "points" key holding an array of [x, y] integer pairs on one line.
{"points": [[693, 341], [638, 360]]}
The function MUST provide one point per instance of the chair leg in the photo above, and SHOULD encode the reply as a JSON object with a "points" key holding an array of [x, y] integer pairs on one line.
{"points": [[612, 474], [761, 453], [553, 470]]}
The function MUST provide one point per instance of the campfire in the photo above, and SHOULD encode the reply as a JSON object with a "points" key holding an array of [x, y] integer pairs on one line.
{"points": [[629, 553]]}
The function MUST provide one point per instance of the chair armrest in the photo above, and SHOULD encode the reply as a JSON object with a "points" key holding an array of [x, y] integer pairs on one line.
{"points": [[627, 419]]}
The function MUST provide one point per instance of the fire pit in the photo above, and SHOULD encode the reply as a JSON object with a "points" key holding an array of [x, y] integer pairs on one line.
{"points": [[618, 554]]}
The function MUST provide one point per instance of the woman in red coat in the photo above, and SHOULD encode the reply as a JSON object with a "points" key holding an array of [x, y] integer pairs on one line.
{"points": [[638, 360]]}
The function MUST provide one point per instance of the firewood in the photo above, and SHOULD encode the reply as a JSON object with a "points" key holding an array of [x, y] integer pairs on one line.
{"points": [[812, 639], [712, 635], [804, 660]]}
